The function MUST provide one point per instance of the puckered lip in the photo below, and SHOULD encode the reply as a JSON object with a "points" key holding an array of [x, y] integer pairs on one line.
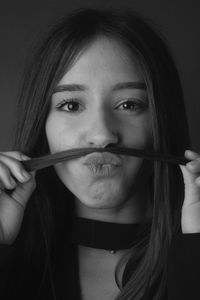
{"points": [[102, 158]]}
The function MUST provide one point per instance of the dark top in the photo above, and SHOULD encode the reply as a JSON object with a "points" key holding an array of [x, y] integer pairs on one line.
{"points": [[33, 283]]}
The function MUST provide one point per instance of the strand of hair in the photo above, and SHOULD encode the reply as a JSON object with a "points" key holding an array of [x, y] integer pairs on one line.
{"points": [[51, 159]]}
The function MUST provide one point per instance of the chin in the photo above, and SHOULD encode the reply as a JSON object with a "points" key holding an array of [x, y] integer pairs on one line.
{"points": [[103, 196]]}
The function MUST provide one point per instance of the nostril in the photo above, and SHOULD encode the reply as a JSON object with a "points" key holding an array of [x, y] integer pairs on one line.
{"points": [[102, 139], [111, 145]]}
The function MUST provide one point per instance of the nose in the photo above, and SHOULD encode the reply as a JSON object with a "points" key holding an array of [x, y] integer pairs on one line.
{"points": [[102, 131]]}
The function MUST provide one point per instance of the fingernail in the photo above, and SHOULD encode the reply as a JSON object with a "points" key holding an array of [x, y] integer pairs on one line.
{"points": [[12, 182], [24, 157], [26, 175], [191, 154]]}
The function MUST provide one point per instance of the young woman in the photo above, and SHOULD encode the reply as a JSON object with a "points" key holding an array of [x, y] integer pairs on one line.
{"points": [[101, 226]]}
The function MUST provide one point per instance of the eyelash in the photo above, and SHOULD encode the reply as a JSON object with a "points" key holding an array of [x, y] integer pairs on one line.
{"points": [[65, 102], [140, 105]]}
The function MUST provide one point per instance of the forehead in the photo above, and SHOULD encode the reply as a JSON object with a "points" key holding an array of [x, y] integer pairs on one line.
{"points": [[104, 60]]}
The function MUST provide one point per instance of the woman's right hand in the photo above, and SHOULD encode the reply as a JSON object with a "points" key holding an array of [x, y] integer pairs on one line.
{"points": [[12, 205]]}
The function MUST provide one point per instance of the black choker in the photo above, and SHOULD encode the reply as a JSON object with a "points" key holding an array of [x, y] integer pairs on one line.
{"points": [[106, 235]]}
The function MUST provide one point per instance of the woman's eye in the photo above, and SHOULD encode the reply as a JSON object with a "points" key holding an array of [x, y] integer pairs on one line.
{"points": [[69, 105], [132, 105]]}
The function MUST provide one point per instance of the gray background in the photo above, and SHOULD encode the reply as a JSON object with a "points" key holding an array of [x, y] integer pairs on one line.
{"points": [[21, 21]]}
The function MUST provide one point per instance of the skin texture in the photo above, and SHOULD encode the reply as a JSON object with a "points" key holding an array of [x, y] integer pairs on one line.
{"points": [[119, 198], [190, 219], [103, 117], [100, 120], [100, 117]]}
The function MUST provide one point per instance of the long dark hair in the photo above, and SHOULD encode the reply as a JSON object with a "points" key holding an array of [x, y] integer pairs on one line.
{"points": [[65, 41]]}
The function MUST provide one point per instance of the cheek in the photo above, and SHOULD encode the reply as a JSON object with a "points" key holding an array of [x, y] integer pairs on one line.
{"points": [[138, 134], [60, 135], [70, 174]]}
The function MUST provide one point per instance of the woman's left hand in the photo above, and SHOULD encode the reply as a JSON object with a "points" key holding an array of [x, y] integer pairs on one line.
{"points": [[190, 220]]}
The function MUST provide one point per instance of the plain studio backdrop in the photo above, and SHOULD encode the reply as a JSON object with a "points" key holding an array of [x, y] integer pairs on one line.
{"points": [[21, 21]]}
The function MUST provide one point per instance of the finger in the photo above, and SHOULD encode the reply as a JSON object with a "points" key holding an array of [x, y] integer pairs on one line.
{"points": [[5, 177], [15, 154], [188, 177], [15, 167], [191, 155], [23, 191], [194, 166], [192, 191], [11, 169]]}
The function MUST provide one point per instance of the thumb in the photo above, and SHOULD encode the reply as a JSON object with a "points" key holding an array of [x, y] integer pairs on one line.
{"points": [[191, 189]]}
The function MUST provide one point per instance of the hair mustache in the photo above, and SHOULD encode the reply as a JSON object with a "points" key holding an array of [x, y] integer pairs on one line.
{"points": [[51, 159]]}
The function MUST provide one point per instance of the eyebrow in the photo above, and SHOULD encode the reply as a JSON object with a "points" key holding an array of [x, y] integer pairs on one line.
{"points": [[119, 86]]}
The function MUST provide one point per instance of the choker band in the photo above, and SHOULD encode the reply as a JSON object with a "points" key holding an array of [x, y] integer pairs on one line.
{"points": [[106, 235]]}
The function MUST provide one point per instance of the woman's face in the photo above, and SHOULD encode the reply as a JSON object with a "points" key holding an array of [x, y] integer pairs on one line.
{"points": [[101, 100]]}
